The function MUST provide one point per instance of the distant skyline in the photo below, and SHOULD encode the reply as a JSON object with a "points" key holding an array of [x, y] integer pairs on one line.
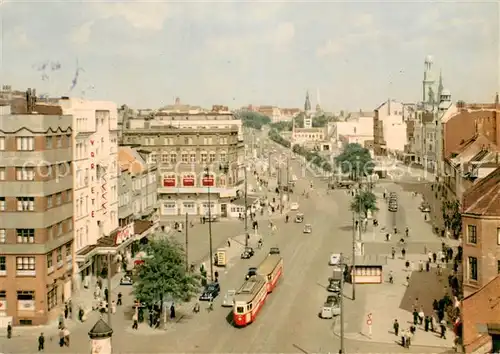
{"points": [[235, 53]]}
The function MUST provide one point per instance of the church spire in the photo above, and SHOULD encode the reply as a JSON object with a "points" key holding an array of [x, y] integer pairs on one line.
{"points": [[440, 87], [307, 104]]}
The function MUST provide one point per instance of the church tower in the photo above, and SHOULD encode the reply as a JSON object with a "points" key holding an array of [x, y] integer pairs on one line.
{"points": [[318, 103], [307, 112], [428, 94]]}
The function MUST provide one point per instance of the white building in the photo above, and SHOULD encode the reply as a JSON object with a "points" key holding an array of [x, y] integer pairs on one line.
{"points": [[95, 197], [389, 128], [358, 131]]}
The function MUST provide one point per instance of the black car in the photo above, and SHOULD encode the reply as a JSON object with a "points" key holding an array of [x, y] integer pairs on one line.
{"points": [[274, 250], [211, 292], [251, 272], [333, 286], [247, 253]]}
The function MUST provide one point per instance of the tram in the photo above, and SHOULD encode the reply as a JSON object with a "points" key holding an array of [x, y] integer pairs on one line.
{"points": [[252, 295]]}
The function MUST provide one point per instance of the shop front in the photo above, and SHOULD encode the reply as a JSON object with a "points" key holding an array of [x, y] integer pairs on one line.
{"points": [[368, 269]]}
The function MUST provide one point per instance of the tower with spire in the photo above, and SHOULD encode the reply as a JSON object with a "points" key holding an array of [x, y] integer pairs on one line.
{"points": [[428, 94], [307, 112], [318, 103]]}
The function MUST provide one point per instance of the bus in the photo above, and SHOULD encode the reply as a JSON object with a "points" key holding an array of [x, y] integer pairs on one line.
{"points": [[252, 295], [271, 269]]}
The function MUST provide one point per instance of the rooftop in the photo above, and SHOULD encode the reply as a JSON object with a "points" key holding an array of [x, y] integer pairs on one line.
{"points": [[130, 160], [471, 148], [484, 197]]}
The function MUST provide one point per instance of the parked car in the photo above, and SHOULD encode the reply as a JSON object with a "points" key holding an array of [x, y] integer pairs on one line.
{"points": [[393, 207], [308, 229], [210, 292], [331, 307], [228, 300], [251, 272], [248, 253], [299, 218], [333, 286], [425, 207], [294, 206], [274, 250]]}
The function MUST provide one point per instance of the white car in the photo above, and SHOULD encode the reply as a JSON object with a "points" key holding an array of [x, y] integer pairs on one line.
{"points": [[228, 300], [294, 206], [334, 259]]}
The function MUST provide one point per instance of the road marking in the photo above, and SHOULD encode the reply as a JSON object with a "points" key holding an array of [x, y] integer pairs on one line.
{"points": [[299, 348]]}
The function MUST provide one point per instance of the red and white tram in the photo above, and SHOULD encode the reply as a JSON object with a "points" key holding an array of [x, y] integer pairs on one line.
{"points": [[252, 295]]}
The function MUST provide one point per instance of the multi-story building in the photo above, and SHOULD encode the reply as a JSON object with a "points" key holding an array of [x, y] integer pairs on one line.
{"points": [[481, 229], [184, 146], [36, 213], [358, 130], [95, 207], [389, 128]]}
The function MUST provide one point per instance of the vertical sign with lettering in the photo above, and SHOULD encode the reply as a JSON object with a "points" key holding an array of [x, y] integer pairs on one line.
{"points": [[92, 171]]}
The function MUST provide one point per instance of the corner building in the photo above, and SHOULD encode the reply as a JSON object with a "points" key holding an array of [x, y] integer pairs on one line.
{"points": [[36, 214]]}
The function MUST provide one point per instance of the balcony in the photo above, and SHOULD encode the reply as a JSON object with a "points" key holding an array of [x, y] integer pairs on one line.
{"points": [[26, 273], [50, 270], [3, 273], [60, 264]]}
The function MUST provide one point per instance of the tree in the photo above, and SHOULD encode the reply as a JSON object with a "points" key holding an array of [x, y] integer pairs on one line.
{"points": [[363, 202], [275, 136], [164, 273], [356, 161], [282, 126], [254, 120]]}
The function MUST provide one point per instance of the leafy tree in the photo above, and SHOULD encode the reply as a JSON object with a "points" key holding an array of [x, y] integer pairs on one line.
{"points": [[356, 161], [282, 126], [323, 120], [363, 202], [164, 273], [254, 120], [275, 136]]}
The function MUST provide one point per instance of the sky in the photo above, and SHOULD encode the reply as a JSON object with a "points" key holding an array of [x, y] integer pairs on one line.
{"points": [[356, 54]]}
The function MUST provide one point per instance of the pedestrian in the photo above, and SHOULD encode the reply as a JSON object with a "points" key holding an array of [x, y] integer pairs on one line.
{"points": [[151, 318], [66, 311], [41, 342], [70, 307], [135, 318], [434, 257], [415, 316], [393, 252], [427, 266], [106, 294], [420, 266], [395, 326], [172, 311], [61, 337], [429, 256], [403, 253], [9, 330], [407, 280], [66, 337], [443, 329], [228, 243], [426, 323], [391, 277], [119, 302], [421, 316], [387, 237], [81, 313]]}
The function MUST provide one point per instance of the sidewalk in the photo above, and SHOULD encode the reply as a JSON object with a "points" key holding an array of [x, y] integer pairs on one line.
{"points": [[387, 302]]}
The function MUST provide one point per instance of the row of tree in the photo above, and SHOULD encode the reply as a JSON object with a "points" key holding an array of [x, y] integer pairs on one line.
{"points": [[275, 136], [313, 157], [253, 120]]}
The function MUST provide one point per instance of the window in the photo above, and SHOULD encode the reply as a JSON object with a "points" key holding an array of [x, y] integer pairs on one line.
{"points": [[49, 260], [173, 157], [3, 235], [59, 255], [59, 229], [3, 264], [2, 143], [68, 250], [154, 157], [49, 202], [192, 157], [2, 174], [472, 263], [3, 204], [211, 157], [164, 158], [69, 195], [52, 298], [25, 263], [25, 203], [25, 143], [204, 157], [471, 234], [59, 141], [25, 235], [58, 198], [69, 223], [25, 173], [223, 157], [48, 142], [185, 157]]}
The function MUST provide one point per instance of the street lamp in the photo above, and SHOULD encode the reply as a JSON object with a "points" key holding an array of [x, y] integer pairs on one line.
{"points": [[207, 175], [246, 207]]}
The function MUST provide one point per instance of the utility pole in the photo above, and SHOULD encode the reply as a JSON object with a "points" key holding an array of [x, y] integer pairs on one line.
{"points": [[342, 318], [269, 167], [280, 189], [353, 270], [246, 208], [109, 289], [207, 172], [288, 178], [187, 256]]}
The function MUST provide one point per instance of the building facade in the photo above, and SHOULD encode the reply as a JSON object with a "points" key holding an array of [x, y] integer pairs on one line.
{"points": [[36, 214], [389, 128], [481, 228], [199, 157], [95, 207]]}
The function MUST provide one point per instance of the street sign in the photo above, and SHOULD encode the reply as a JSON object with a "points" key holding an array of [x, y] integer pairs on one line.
{"points": [[369, 322]]}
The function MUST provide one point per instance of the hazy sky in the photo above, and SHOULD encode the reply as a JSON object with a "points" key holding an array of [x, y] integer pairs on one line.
{"points": [[146, 53]]}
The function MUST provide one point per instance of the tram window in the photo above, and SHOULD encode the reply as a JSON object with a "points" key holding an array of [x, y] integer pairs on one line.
{"points": [[269, 277], [250, 307], [240, 309]]}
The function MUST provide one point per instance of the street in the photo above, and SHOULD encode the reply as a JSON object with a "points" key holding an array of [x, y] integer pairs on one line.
{"points": [[289, 321]]}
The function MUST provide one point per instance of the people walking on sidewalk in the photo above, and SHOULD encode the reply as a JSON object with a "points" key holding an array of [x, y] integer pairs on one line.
{"points": [[395, 326], [135, 320], [9, 331], [41, 342]]}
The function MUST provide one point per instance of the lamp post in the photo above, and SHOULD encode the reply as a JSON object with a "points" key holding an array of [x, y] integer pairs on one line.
{"points": [[207, 174], [246, 208], [342, 318]]}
